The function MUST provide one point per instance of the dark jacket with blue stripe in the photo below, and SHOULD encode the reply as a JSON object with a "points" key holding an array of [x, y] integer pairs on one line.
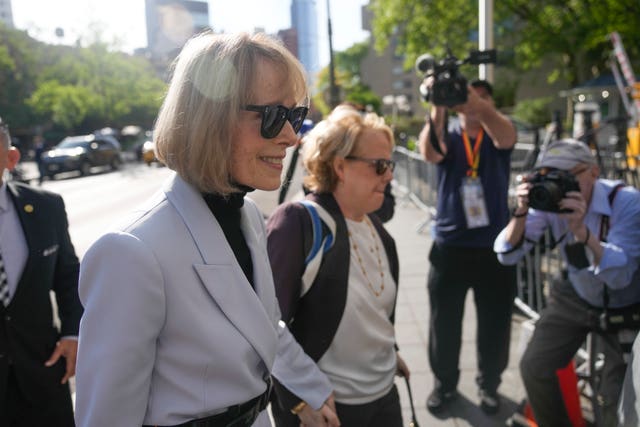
{"points": [[314, 318]]}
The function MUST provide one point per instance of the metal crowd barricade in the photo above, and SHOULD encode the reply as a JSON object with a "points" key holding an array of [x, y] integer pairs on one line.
{"points": [[417, 180]]}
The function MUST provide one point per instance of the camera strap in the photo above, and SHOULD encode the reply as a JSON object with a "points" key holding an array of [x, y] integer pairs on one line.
{"points": [[433, 139], [473, 155]]}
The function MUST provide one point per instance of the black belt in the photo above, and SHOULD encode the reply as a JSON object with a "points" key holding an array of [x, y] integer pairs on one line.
{"points": [[242, 415]]}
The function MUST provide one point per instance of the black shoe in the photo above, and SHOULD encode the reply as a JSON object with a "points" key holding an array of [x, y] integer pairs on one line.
{"points": [[489, 401], [438, 400]]}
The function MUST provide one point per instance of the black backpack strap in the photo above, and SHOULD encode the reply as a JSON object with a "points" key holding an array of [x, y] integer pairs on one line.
{"points": [[604, 221], [604, 230]]}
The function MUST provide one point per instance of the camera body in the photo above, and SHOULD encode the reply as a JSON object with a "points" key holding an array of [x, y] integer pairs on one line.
{"points": [[450, 86], [549, 186]]}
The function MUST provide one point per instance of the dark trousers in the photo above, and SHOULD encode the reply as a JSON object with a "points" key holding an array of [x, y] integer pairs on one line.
{"points": [[452, 273], [55, 411], [382, 412], [558, 335]]}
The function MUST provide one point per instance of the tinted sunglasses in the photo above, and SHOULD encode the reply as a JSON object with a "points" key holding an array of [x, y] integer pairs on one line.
{"points": [[381, 165], [275, 116]]}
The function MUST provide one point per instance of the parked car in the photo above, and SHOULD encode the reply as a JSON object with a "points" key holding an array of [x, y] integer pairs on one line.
{"points": [[81, 153]]}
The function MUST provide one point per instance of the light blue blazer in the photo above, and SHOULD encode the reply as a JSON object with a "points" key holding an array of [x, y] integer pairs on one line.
{"points": [[172, 329]]}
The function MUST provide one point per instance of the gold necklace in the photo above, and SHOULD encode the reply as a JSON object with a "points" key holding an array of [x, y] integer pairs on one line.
{"points": [[377, 293]]}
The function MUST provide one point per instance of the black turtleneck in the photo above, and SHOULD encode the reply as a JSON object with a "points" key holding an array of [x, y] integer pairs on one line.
{"points": [[227, 212]]}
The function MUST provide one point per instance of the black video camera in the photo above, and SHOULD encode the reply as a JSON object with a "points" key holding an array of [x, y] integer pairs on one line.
{"points": [[450, 86], [549, 186]]}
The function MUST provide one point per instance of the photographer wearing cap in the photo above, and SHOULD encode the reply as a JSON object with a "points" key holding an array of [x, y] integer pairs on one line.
{"points": [[473, 162], [598, 230]]}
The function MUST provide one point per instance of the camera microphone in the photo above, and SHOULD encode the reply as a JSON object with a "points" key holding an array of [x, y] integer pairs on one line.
{"points": [[425, 63]]}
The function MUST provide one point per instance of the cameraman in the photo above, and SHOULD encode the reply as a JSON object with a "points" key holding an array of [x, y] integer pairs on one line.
{"points": [[473, 163], [598, 230]]}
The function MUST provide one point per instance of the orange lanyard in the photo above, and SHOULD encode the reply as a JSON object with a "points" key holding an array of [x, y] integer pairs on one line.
{"points": [[473, 157]]}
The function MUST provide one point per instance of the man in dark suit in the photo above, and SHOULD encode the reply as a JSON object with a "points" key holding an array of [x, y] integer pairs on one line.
{"points": [[36, 358]]}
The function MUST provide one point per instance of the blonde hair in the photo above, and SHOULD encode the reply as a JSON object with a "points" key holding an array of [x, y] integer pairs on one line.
{"points": [[212, 81], [336, 136]]}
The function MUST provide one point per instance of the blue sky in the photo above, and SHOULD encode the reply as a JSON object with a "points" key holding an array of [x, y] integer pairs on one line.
{"points": [[123, 21]]}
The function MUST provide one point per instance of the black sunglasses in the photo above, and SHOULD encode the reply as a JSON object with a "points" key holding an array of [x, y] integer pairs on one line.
{"points": [[275, 116], [381, 165]]}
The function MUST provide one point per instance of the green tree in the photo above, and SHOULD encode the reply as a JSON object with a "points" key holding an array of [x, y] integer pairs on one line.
{"points": [[74, 89], [534, 111], [18, 65], [126, 88], [347, 70], [572, 34], [64, 105]]}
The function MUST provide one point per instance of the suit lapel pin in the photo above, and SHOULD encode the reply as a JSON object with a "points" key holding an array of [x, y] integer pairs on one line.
{"points": [[28, 208]]}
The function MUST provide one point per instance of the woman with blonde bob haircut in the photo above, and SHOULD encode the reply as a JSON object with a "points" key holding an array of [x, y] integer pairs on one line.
{"points": [[193, 133], [181, 323], [343, 314]]}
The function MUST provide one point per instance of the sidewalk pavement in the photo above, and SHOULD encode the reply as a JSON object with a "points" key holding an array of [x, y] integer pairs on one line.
{"points": [[412, 313]]}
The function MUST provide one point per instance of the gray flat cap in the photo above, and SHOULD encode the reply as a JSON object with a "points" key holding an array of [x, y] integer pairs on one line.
{"points": [[565, 154]]}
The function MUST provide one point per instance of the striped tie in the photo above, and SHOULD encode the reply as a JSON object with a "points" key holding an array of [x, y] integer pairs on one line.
{"points": [[4, 285]]}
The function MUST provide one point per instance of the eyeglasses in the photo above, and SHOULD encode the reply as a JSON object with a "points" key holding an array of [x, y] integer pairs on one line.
{"points": [[275, 116], [381, 165]]}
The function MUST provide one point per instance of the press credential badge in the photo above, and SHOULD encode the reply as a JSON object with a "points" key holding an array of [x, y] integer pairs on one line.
{"points": [[475, 207]]}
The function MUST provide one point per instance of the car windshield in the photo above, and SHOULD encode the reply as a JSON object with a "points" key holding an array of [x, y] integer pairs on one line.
{"points": [[72, 144]]}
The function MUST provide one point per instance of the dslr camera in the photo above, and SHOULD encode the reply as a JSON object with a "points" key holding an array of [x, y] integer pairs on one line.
{"points": [[549, 186], [450, 86]]}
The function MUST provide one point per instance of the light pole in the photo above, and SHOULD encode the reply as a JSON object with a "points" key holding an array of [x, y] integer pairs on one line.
{"points": [[333, 89], [485, 12]]}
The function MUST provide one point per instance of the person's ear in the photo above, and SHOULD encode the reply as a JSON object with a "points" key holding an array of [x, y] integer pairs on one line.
{"points": [[338, 167], [595, 171], [13, 157]]}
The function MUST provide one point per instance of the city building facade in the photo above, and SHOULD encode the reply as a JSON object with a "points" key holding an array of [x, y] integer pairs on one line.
{"points": [[304, 20], [289, 37], [6, 14], [386, 75]]}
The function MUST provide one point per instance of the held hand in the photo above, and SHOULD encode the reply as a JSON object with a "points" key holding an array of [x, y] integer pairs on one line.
{"points": [[330, 416], [402, 370], [427, 88], [522, 195], [324, 417], [474, 103], [331, 403], [68, 349], [428, 82], [574, 201]]}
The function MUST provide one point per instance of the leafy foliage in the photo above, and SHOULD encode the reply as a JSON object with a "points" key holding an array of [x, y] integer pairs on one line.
{"points": [[65, 105], [347, 72], [18, 61], [74, 89], [572, 34], [534, 111]]}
